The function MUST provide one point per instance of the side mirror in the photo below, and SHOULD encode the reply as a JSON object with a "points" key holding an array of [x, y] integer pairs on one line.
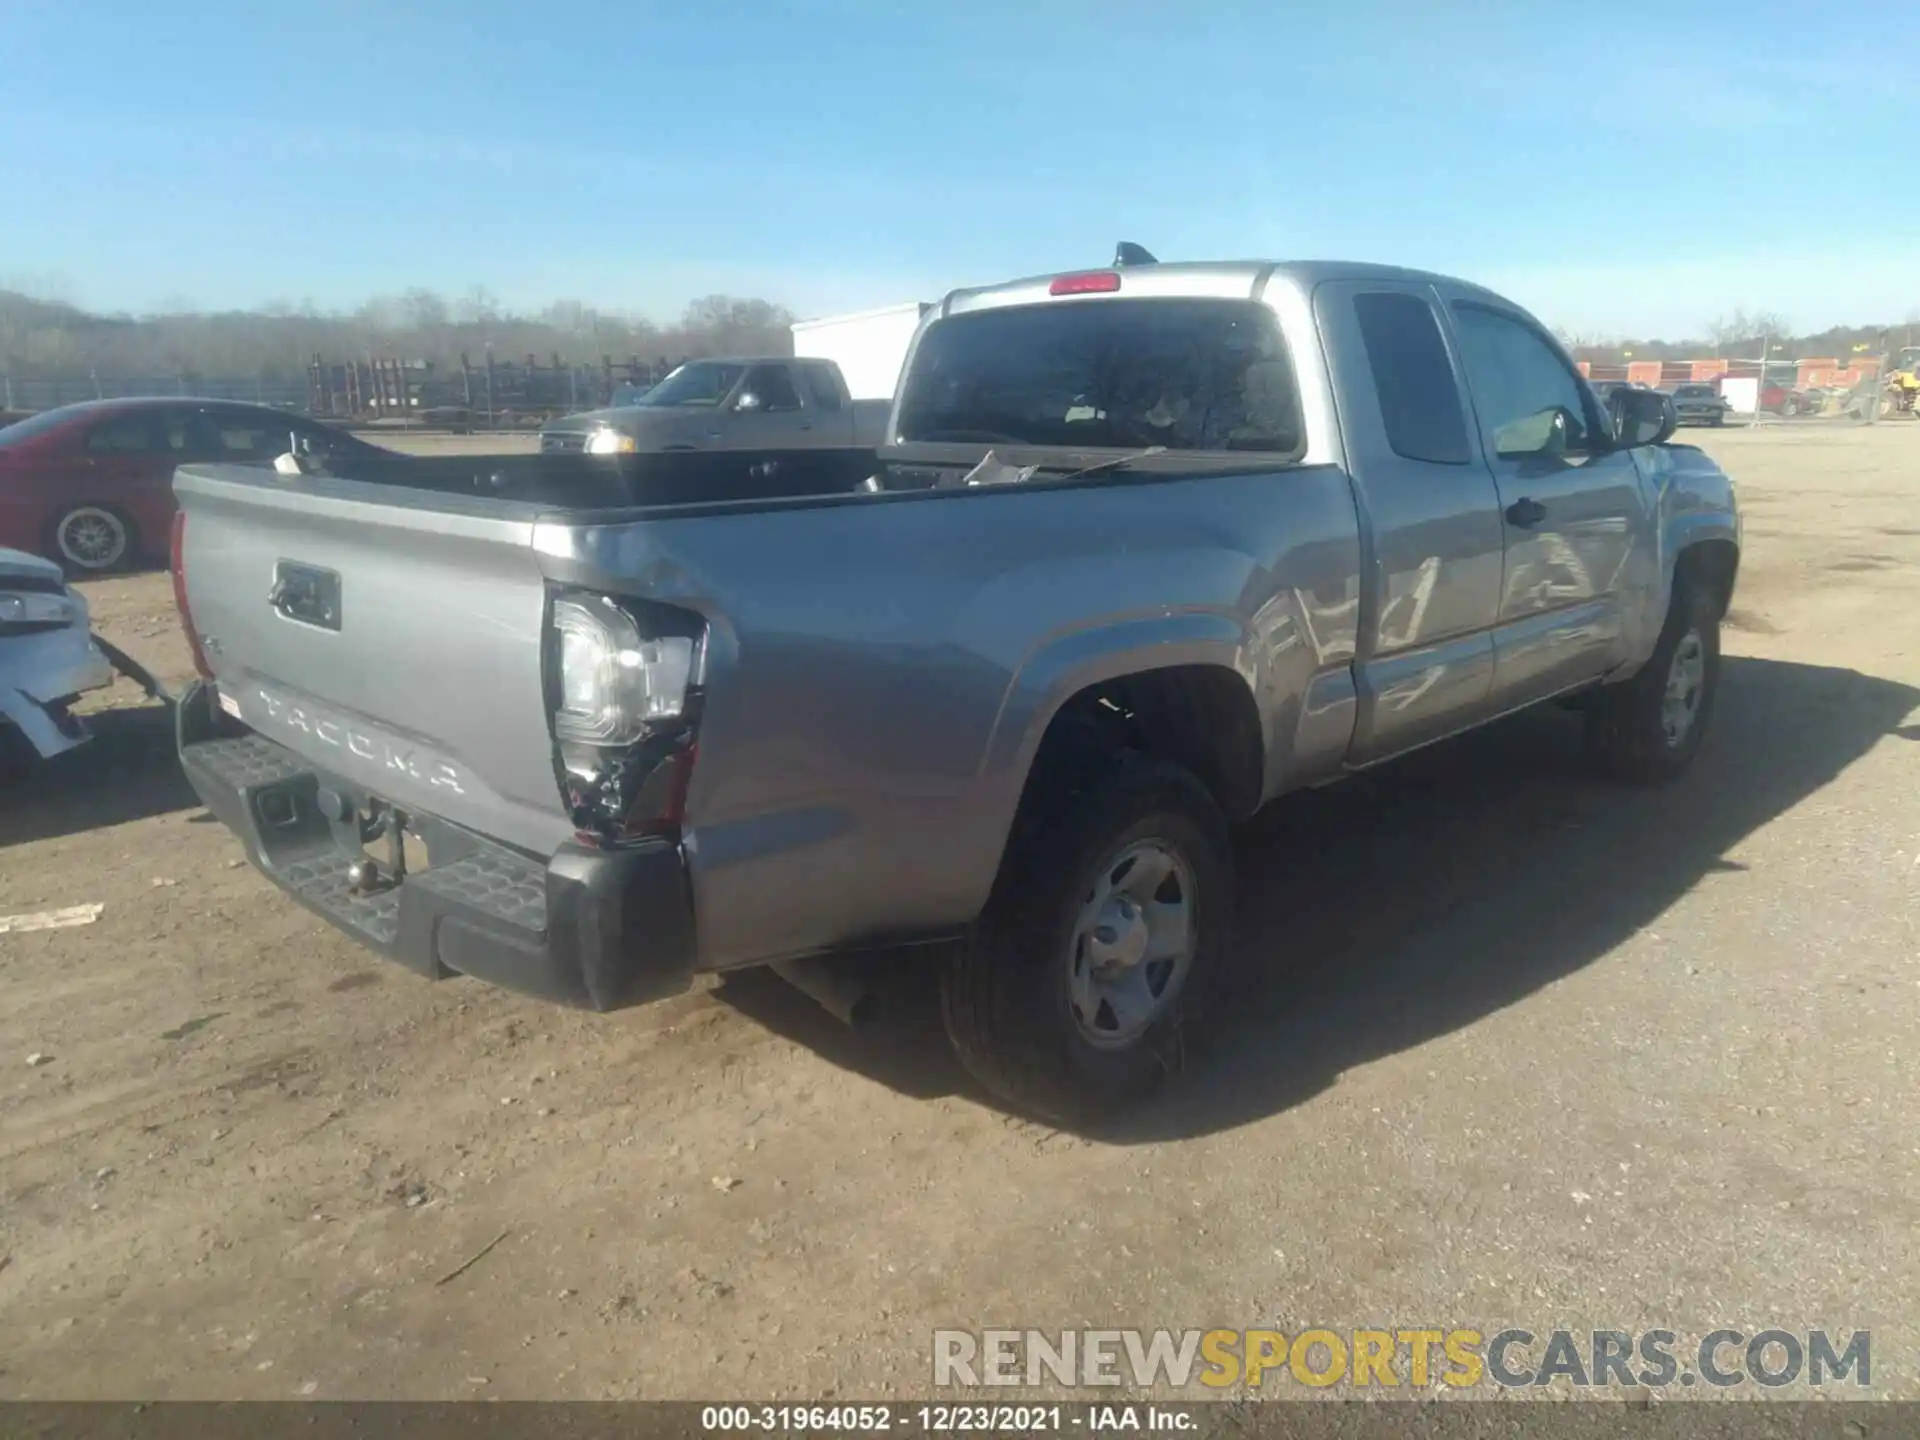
{"points": [[1642, 417], [748, 401]]}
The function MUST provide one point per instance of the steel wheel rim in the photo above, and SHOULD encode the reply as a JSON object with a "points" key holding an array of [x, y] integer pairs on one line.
{"points": [[1686, 678], [92, 538], [1133, 944]]}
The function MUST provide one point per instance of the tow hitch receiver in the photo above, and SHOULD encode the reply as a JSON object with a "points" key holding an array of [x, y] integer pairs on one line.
{"points": [[359, 829]]}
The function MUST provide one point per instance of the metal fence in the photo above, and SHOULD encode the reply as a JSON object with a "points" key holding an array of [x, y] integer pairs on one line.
{"points": [[49, 394], [480, 394]]}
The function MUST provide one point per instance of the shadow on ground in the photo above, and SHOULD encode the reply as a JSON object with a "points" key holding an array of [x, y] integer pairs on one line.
{"points": [[1410, 902], [127, 772]]}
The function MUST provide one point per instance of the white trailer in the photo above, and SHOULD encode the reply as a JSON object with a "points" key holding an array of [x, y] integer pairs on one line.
{"points": [[869, 346]]}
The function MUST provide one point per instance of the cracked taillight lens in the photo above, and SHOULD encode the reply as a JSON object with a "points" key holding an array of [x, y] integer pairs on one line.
{"points": [[624, 687]]}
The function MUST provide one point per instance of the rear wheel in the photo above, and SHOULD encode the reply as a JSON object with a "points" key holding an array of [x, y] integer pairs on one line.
{"points": [[1647, 730], [1108, 923], [93, 538]]}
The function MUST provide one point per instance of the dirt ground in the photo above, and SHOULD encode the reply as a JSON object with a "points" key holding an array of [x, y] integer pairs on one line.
{"points": [[1514, 1047]]}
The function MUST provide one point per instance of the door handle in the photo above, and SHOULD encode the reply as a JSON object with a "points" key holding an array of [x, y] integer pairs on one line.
{"points": [[1526, 512]]}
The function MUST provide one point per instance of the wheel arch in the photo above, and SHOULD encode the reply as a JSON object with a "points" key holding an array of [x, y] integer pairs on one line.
{"points": [[1709, 562], [1186, 700]]}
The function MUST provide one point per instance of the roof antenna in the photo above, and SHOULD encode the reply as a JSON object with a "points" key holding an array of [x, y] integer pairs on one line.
{"points": [[1128, 253]]}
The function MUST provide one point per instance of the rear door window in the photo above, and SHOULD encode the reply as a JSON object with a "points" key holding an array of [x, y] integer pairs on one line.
{"points": [[241, 437], [133, 434], [1187, 374], [1419, 398]]}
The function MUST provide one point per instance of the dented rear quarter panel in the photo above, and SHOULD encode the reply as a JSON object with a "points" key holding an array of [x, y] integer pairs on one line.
{"points": [[881, 671]]}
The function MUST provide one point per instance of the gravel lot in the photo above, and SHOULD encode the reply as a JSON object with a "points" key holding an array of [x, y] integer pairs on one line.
{"points": [[1515, 1048]]}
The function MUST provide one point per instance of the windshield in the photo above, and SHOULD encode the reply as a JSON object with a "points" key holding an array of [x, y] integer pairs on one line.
{"points": [[705, 382], [1184, 374]]}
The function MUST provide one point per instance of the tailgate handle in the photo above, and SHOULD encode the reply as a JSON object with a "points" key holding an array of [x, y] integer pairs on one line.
{"points": [[306, 594]]}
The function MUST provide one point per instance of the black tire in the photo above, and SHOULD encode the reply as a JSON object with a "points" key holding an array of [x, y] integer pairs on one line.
{"points": [[1627, 727], [1006, 995], [70, 538]]}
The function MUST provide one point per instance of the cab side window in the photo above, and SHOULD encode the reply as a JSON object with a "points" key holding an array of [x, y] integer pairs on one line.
{"points": [[1419, 400], [774, 386], [826, 392], [1531, 403]]}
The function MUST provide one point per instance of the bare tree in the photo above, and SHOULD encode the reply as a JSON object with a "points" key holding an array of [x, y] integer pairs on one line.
{"points": [[1746, 331], [41, 339]]}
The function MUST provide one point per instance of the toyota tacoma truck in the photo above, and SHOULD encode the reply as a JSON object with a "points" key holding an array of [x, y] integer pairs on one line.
{"points": [[729, 405], [1144, 549]]}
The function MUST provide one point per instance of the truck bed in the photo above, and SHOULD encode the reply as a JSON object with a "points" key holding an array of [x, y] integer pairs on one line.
{"points": [[597, 482], [878, 668]]}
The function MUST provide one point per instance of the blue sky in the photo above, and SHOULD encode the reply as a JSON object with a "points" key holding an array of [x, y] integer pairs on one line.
{"points": [[1621, 168]]}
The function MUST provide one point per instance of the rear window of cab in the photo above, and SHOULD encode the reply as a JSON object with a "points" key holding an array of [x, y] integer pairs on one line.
{"points": [[1186, 374]]}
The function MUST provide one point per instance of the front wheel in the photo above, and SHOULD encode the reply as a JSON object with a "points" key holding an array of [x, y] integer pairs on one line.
{"points": [[1647, 730], [1073, 998]]}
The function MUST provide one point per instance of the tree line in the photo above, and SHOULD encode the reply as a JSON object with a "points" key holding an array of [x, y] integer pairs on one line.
{"points": [[46, 339], [1747, 335]]}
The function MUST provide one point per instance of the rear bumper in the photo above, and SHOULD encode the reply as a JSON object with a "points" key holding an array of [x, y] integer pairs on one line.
{"points": [[590, 928]]}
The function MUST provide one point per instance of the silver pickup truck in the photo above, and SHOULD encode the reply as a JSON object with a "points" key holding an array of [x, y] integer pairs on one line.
{"points": [[729, 405], [1146, 548]]}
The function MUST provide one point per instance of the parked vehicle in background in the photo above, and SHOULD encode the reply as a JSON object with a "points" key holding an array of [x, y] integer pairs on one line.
{"points": [[1777, 399], [1147, 548], [1903, 393], [750, 404], [91, 485], [1700, 405], [47, 660], [869, 346]]}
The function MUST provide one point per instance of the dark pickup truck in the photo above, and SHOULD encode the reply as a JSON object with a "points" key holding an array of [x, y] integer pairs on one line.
{"points": [[756, 404]]}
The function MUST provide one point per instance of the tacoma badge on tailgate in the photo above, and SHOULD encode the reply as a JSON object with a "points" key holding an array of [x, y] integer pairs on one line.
{"points": [[357, 738]]}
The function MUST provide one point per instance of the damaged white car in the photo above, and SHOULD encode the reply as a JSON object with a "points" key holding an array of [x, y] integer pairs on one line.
{"points": [[48, 657]]}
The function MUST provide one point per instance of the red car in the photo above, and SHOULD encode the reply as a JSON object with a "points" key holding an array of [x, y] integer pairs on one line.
{"points": [[91, 485]]}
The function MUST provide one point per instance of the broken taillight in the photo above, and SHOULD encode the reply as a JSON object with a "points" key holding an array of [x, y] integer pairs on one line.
{"points": [[176, 562], [624, 690]]}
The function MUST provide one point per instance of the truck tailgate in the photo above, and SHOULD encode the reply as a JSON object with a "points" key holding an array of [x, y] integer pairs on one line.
{"points": [[390, 636]]}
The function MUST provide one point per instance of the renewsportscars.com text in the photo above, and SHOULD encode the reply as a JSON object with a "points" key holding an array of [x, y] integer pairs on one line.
{"points": [[1412, 1358]]}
